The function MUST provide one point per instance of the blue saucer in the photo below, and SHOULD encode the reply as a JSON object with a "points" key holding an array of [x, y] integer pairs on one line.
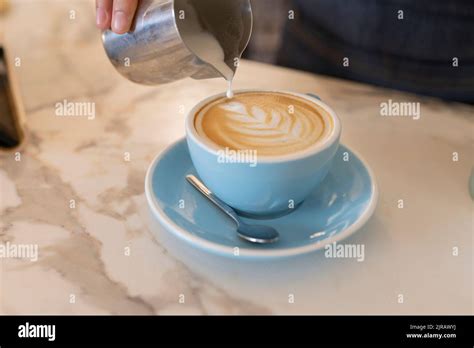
{"points": [[340, 206]]}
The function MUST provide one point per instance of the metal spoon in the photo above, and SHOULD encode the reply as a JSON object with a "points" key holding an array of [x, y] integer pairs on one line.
{"points": [[252, 233]]}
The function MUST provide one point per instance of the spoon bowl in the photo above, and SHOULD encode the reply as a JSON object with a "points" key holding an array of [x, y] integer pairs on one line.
{"points": [[258, 233]]}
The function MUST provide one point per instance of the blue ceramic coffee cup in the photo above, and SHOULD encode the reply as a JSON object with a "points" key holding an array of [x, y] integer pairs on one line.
{"points": [[272, 185]]}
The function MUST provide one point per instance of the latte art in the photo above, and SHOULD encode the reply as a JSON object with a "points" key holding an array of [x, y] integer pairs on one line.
{"points": [[273, 124]]}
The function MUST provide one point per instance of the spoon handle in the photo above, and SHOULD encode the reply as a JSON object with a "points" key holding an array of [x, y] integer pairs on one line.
{"points": [[213, 198]]}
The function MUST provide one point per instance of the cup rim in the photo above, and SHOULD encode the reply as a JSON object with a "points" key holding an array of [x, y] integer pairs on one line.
{"points": [[333, 136]]}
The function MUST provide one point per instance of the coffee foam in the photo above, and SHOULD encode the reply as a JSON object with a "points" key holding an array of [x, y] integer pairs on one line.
{"points": [[273, 124]]}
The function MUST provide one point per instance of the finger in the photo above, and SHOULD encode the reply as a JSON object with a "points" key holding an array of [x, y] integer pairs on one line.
{"points": [[103, 13], [123, 13]]}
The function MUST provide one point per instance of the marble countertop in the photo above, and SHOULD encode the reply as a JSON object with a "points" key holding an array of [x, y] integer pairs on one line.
{"points": [[78, 193]]}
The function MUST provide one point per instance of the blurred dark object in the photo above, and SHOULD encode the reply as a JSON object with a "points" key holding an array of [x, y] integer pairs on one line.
{"points": [[428, 48], [10, 132], [429, 51], [270, 17]]}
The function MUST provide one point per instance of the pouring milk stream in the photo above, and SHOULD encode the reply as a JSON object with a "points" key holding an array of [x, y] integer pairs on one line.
{"points": [[205, 45]]}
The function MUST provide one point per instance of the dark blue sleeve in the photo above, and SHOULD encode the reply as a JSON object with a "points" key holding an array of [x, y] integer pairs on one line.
{"points": [[403, 44]]}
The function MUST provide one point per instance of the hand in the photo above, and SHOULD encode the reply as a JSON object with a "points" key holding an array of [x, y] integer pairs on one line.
{"points": [[115, 14]]}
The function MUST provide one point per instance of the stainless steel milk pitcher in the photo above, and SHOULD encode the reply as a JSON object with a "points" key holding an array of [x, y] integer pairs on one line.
{"points": [[155, 51]]}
